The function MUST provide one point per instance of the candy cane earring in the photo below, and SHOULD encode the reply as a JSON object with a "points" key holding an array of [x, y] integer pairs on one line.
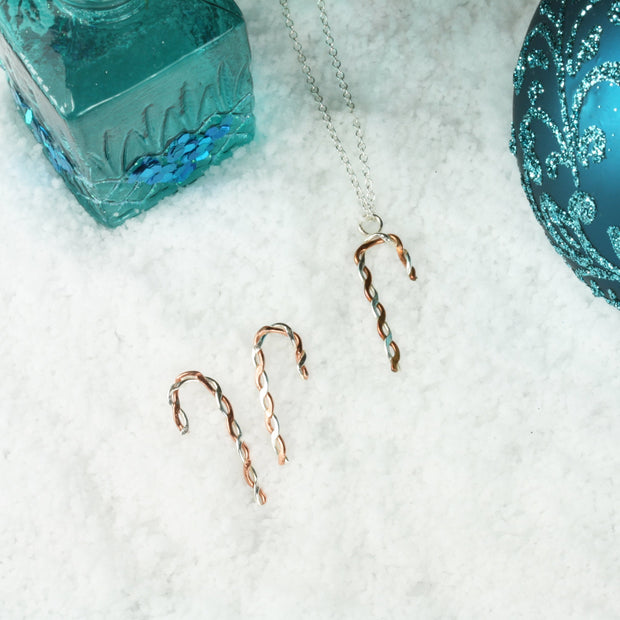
{"points": [[180, 419], [262, 381]]}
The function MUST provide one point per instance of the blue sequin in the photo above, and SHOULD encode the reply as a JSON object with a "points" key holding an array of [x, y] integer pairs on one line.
{"points": [[184, 172], [176, 153], [53, 152], [163, 177], [147, 173], [202, 152], [180, 159], [216, 133]]}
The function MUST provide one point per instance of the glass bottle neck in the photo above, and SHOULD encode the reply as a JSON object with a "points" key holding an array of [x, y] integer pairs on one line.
{"points": [[108, 10]]}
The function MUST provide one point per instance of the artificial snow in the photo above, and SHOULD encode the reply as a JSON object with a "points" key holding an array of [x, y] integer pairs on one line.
{"points": [[479, 482]]}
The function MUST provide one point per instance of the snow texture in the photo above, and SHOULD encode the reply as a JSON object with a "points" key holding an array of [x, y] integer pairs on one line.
{"points": [[480, 482]]}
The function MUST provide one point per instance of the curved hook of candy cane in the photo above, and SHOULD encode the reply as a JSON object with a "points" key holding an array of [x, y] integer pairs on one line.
{"points": [[392, 350], [180, 419], [262, 381]]}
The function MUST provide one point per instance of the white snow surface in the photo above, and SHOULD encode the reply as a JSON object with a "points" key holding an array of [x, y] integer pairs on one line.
{"points": [[480, 482]]}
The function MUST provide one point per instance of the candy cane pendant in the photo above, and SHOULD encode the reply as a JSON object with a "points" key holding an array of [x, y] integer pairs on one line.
{"points": [[391, 348]]}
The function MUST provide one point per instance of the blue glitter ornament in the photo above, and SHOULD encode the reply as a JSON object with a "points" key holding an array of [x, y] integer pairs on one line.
{"points": [[566, 134]]}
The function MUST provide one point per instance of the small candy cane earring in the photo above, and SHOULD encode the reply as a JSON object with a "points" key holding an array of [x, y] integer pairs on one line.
{"points": [[180, 419], [262, 381], [393, 352]]}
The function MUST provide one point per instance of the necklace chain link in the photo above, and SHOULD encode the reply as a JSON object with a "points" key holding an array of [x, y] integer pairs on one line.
{"points": [[366, 197]]}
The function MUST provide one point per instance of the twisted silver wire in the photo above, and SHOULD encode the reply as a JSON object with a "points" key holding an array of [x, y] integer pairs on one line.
{"points": [[377, 308], [262, 381], [389, 239], [233, 427], [367, 198], [301, 360], [274, 421]]}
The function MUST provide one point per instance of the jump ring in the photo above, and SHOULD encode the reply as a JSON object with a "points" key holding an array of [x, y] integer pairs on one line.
{"points": [[370, 219]]}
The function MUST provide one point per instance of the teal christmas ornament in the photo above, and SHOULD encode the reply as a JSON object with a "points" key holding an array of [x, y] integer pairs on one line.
{"points": [[129, 99], [566, 134]]}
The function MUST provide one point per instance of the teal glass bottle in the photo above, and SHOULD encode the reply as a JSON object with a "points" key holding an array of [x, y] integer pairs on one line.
{"points": [[130, 99]]}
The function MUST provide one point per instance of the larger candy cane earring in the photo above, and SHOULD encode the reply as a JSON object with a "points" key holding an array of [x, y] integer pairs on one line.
{"points": [[180, 419], [262, 381]]}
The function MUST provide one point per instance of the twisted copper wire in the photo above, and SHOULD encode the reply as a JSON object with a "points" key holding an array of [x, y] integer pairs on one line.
{"points": [[262, 381], [392, 350], [180, 419]]}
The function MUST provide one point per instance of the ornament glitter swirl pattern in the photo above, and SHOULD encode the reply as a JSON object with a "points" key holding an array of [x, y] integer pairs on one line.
{"points": [[566, 132]]}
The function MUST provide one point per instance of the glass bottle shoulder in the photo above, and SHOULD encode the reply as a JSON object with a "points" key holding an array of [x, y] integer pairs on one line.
{"points": [[80, 63]]}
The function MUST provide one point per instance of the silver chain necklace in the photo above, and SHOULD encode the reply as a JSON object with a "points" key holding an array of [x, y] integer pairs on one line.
{"points": [[371, 224]]}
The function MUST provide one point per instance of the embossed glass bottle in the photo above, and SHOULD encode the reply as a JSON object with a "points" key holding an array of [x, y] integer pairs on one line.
{"points": [[130, 99]]}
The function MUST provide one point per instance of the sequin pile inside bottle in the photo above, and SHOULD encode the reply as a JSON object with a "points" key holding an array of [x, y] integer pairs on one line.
{"points": [[130, 99]]}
